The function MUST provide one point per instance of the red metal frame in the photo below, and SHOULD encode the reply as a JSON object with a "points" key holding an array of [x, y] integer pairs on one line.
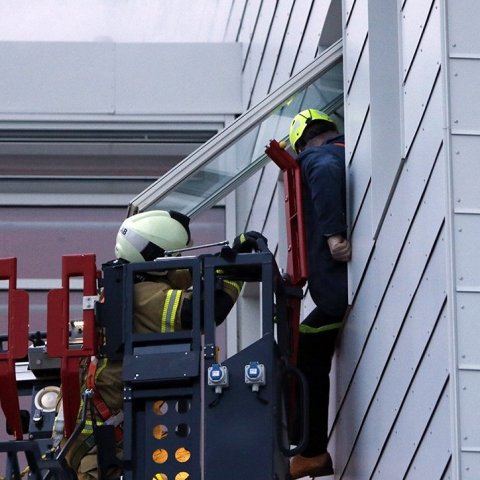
{"points": [[297, 268], [58, 330], [297, 254], [17, 346]]}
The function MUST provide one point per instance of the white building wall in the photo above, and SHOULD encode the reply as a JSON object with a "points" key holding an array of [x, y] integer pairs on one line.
{"points": [[131, 21], [391, 417], [396, 405], [390, 393], [462, 51]]}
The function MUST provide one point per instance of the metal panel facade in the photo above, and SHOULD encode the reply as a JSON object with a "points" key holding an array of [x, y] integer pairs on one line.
{"points": [[392, 368], [463, 67], [462, 40], [419, 401], [465, 167], [468, 306], [464, 78], [421, 75], [291, 41]]}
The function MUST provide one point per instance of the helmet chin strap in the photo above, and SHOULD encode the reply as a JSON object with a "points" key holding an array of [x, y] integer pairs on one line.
{"points": [[152, 251]]}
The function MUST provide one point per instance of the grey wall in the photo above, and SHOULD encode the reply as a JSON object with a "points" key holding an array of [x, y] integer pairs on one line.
{"points": [[119, 79]]}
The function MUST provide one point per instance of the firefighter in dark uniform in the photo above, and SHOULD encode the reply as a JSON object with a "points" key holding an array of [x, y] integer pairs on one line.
{"points": [[162, 303], [321, 155]]}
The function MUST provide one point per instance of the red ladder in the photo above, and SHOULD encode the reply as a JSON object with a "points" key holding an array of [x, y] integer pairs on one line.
{"points": [[297, 268], [17, 346], [58, 330]]}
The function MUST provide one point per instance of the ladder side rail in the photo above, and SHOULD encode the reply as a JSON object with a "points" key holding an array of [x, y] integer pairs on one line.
{"points": [[58, 329], [297, 266], [17, 346]]}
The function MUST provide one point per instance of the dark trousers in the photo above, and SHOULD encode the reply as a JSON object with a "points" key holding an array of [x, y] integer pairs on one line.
{"points": [[317, 339]]}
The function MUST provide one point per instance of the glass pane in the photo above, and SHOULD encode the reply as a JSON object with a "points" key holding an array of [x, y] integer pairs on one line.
{"points": [[216, 175]]}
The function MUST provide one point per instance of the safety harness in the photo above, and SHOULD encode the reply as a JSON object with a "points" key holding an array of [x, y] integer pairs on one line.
{"points": [[102, 408], [99, 406]]}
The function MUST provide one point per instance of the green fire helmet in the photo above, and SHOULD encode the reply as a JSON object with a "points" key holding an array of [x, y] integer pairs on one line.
{"points": [[300, 122]]}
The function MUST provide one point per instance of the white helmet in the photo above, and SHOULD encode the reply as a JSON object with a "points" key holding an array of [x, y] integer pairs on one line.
{"points": [[146, 236]]}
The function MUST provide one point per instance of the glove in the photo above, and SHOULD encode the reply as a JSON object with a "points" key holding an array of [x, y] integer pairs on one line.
{"points": [[247, 242], [340, 248]]}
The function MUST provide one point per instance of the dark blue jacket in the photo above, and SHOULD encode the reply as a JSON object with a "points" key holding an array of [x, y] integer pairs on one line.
{"points": [[324, 205]]}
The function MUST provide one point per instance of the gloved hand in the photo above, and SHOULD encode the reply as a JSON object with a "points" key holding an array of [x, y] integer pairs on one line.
{"points": [[340, 248], [247, 242]]}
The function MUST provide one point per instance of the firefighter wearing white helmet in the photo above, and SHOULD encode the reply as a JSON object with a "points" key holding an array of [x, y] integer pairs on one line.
{"points": [[146, 236], [162, 304]]}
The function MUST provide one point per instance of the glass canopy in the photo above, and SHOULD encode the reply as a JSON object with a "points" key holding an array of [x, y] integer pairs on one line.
{"points": [[237, 152]]}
